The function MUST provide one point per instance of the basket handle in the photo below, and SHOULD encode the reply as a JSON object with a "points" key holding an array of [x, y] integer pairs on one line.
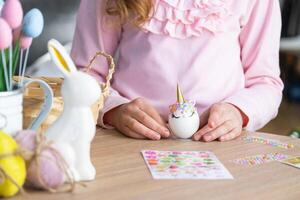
{"points": [[111, 70]]}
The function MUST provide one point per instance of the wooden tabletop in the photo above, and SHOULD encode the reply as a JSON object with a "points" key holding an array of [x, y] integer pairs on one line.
{"points": [[122, 173]]}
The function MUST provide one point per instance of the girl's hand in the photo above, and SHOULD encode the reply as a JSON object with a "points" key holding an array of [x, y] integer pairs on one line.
{"points": [[137, 119], [224, 123]]}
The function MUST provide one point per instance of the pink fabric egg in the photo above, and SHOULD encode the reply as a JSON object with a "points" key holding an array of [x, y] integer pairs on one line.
{"points": [[12, 12], [5, 34], [25, 42], [49, 170], [26, 139]]}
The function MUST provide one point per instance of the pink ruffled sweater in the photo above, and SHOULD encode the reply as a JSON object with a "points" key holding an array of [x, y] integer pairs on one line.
{"points": [[218, 50]]}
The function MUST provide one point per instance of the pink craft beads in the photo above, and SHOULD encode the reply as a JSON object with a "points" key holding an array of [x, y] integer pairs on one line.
{"points": [[260, 159], [269, 142]]}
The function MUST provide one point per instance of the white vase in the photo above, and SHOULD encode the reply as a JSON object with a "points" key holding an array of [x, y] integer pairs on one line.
{"points": [[11, 118], [11, 108]]}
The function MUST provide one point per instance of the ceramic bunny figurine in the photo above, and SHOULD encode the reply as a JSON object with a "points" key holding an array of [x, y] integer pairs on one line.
{"points": [[74, 130]]}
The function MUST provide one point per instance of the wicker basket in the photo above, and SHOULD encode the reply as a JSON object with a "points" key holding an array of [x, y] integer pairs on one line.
{"points": [[34, 96]]}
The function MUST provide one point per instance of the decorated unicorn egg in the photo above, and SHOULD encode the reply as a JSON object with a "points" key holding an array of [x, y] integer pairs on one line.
{"points": [[184, 120]]}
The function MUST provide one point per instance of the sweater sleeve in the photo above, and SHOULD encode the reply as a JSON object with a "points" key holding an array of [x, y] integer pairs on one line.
{"points": [[96, 32], [259, 41]]}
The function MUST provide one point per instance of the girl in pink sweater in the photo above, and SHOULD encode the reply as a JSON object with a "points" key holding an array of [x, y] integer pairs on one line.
{"points": [[224, 54]]}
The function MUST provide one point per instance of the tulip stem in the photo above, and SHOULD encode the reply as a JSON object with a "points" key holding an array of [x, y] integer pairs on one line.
{"points": [[5, 69], [20, 67], [10, 67], [24, 66]]}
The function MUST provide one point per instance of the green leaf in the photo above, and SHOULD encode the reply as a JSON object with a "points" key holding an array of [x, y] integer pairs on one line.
{"points": [[2, 77], [16, 56]]}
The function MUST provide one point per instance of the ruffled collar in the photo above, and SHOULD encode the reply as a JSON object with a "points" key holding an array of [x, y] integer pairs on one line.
{"points": [[187, 18]]}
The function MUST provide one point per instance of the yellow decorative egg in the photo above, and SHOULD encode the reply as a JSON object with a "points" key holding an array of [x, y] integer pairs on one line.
{"points": [[13, 166]]}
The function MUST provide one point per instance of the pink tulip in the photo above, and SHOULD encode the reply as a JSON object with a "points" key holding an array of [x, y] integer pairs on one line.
{"points": [[12, 12], [5, 34]]}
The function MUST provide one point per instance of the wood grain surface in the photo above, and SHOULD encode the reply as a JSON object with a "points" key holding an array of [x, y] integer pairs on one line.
{"points": [[122, 173]]}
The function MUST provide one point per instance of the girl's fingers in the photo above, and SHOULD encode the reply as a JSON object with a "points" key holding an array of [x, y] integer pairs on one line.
{"points": [[223, 129], [214, 121], [144, 106], [150, 111], [222, 124], [150, 123], [231, 135], [204, 118], [139, 128], [132, 134], [197, 136], [203, 126], [216, 117]]}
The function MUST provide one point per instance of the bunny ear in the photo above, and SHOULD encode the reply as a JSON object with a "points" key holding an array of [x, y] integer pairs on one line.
{"points": [[61, 58]]}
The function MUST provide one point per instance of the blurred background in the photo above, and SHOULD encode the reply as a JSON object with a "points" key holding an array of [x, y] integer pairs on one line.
{"points": [[60, 19]]}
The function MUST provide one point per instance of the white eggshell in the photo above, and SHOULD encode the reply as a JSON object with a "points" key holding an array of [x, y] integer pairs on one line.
{"points": [[184, 127]]}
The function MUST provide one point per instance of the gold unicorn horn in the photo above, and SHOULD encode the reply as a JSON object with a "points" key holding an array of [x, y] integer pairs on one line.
{"points": [[180, 98]]}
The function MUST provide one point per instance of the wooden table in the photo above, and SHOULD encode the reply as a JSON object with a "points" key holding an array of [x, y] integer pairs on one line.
{"points": [[122, 173]]}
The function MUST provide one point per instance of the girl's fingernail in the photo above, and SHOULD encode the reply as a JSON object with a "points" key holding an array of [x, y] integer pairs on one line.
{"points": [[157, 137], [207, 138]]}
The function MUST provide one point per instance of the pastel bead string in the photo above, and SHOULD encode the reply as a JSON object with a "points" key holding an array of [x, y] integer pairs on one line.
{"points": [[260, 159], [269, 142]]}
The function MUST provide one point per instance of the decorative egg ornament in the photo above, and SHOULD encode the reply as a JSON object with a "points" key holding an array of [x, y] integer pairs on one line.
{"points": [[5, 34], [48, 174], [184, 120], [33, 23], [12, 12], [25, 42], [13, 166]]}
